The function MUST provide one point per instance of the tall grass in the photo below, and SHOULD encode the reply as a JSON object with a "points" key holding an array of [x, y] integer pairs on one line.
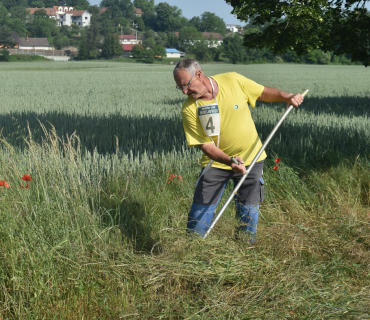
{"points": [[102, 234]]}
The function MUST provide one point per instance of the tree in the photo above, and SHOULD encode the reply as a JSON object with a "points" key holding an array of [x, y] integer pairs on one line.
{"points": [[88, 48], [233, 48], [340, 26], [111, 47], [187, 37], [159, 51], [60, 41], [5, 36], [169, 17], [125, 7], [41, 26], [212, 23], [144, 5], [208, 22], [137, 51]]}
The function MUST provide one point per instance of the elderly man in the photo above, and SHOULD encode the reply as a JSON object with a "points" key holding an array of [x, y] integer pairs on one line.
{"points": [[217, 119]]}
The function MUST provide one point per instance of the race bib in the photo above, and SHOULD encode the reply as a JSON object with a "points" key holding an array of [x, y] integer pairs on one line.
{"points": [[209, 117]]}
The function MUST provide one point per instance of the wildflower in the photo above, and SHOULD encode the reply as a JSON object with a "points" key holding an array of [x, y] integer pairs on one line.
{"points": [[277, 160], [25, 187], [4, 184], [27, 177], [276, 167]]}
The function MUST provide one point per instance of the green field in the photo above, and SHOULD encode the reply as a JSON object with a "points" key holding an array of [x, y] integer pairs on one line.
{"points": [[100, 233]]}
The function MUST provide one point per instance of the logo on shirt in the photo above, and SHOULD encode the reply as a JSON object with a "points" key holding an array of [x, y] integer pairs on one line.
{"points": [[236, 107]]}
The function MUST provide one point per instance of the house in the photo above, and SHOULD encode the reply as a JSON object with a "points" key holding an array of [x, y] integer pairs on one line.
{"points": [[79, 18], [49, 11], [232, 27], [174, 53], [214, 39], [102, 10], [33, 44], [128, 39], [53, 12], [127, 48], [139, 12]]}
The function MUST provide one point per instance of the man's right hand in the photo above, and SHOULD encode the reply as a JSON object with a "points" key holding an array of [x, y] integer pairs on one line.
{"points": [[238, 168]]}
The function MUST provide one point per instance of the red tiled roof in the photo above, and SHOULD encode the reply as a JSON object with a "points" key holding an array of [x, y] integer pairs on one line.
{"points": [[49, 11], [207, 35], [213, 35], [127, 47], [130, 36], [138, 11], [34, 42], [102, 10]]}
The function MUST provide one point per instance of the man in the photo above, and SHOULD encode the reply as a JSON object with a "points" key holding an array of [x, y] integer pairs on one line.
{"points": [[217, 119]]}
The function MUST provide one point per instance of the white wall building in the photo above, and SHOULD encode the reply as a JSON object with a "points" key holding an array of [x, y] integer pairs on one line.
{"points": [[79, 18], [33, 44], [174, 53], [232, 27], [128, 39]]}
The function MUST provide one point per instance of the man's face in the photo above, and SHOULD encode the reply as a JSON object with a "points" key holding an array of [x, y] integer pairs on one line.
{"points": [[191, 84]]}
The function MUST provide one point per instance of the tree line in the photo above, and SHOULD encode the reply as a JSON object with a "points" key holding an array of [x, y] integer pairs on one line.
{"points": [[161, 26]]}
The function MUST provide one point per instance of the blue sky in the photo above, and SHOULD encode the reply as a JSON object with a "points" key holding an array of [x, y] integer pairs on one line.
{"points": [[192, 8]]}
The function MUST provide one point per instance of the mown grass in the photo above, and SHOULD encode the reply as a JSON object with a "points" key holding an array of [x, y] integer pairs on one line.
{"points": [[100, 233]]}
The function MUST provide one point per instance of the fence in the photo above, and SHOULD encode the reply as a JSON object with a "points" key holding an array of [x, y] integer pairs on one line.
{"points": [[39, 52]]}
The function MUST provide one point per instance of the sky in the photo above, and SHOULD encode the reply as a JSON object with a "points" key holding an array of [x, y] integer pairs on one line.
{"points": [[192, 8]]}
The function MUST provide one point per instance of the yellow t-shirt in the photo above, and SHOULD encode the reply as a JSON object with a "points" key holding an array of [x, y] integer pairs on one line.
{"points": [[238, 134]]}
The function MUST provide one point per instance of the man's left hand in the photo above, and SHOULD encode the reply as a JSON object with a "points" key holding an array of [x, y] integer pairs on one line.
{"points": [[295, 100]]}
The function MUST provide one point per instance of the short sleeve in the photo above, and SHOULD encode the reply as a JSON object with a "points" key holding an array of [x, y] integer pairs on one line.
{"points": [[252, 89]]}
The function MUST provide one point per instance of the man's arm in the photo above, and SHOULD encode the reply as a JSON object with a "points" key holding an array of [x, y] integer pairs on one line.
{"points": [[218, 155], [276, 95]]}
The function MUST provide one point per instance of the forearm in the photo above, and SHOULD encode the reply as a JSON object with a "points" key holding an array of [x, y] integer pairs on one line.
{"points": [[275, 95], [215, 153]]}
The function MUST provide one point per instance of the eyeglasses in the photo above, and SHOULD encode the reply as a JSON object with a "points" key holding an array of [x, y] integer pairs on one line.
{"points": [[185, 87]]}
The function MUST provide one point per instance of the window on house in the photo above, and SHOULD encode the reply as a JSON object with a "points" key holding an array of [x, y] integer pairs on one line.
{"points": [[85, 18]]}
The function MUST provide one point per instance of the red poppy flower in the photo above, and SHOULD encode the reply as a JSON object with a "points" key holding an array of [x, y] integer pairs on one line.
{"points": [[277, 160], [25, 187], [276, 167], [27, 177], [6, 185], [2, 183]]}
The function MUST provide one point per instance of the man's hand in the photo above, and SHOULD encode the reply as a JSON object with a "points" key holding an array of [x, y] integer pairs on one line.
{"points": [[238, 168], [295, 100]]}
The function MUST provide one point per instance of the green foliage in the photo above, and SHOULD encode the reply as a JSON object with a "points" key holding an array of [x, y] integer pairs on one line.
{"points": [[144, 5], [341, 27], [125, 7], [137, 51], [233, 48], [169, 17], [111, 47], [41, 26], [187, 37], [208, 22], [60, 41], [88, 48], [4, 55]]}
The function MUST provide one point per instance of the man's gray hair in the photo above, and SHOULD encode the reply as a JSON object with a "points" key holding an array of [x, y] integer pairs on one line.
{"points": [[189, 65]]}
